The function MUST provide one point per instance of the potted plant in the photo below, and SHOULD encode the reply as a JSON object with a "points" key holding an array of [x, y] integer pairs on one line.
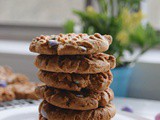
{"points": [[124, 22]]}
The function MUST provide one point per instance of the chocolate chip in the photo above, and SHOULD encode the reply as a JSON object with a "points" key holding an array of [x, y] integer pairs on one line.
{"points": [[52, 43]]}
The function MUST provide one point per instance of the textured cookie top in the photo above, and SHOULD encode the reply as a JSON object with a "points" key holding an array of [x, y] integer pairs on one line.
{"points": [[50, 112], [71, 44], [94, 63], [83, 100]]}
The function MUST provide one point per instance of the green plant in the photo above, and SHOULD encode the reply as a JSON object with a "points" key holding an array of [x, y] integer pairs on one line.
{"points": [[123, 22], [69, 26]]}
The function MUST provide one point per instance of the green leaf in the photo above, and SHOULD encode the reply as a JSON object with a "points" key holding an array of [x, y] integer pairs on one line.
{"points": [[144, 37], [69, 26], [103, 5]]}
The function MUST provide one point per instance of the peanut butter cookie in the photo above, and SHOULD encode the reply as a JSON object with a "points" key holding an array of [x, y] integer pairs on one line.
{"points": [[83, 100], [49, 112], [71, 44], [76, 82], [87, 64]]}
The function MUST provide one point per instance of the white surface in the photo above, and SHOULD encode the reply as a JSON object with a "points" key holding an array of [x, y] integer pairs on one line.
{"points": [[128, 116], [151, 56], [31, 113], [142, 110], [145, 108], [23, 113]]}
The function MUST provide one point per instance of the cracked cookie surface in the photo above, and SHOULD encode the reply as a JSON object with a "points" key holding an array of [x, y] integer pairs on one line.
{"points": [[76, 82], [49, 112], [88, 64], [70, 44], [83, 100]]}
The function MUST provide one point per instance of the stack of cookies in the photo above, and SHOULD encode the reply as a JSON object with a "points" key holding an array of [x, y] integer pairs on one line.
{"points": [[77, 76]]}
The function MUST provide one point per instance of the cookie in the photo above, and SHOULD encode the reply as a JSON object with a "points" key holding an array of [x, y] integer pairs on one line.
{"points": [[6, 94], [88, 64], [50, 112], [71, 44], [7, 75], [17, 78], [5, 72], [15, 86], [25, 91], [76, 82], [83, 100]]}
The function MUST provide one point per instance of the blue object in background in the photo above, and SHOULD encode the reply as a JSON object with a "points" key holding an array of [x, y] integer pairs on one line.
{"points": [[121, 80]]}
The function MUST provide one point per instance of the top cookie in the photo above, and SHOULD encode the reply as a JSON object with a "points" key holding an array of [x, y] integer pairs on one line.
{"points": [[71, 44]]}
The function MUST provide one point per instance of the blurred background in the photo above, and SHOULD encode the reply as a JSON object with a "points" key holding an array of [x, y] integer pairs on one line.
{"points": [[134, 25]]}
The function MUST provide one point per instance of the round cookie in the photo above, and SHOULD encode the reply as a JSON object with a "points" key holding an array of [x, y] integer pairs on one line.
{"points": [[83, 100], [25, 91], [88, 64], [76, 82], [54, 113], [71, 44]]}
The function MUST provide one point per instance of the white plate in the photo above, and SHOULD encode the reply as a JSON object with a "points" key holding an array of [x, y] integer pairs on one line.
{"points": [[31, 113]]}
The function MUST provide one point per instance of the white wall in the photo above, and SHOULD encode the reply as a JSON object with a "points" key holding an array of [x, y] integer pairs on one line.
{"points": [[151, 9], [35, 12]]}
